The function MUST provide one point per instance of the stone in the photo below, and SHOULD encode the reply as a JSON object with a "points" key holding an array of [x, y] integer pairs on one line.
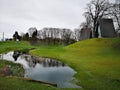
{"points": [[106, 28]]}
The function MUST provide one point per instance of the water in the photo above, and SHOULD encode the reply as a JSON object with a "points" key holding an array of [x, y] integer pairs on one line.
{"points": [[44, 69]]}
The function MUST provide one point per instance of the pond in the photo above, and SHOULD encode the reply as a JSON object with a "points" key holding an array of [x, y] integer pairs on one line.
{"points": [[44, 69]]}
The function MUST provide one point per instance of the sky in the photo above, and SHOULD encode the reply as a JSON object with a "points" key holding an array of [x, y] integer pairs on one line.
{"points": [[20, 15]]}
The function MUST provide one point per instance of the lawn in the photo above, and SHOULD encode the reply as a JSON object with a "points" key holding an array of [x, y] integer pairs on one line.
{"points": [[96, 61], [14, 45]]}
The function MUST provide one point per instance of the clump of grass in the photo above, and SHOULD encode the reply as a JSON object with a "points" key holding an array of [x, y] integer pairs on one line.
{"points": [[15, 69]]}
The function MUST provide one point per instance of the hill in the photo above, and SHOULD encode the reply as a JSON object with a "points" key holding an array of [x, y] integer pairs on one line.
{"points": [[97, 62]]}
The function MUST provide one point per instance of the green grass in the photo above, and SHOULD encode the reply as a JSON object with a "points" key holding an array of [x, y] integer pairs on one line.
{"points": [[13, 45], [17, 69], [15, 83], [97, 62]]}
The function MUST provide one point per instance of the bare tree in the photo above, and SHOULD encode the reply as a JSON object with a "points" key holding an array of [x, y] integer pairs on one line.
{"points": [[87, 22], [66, 36], [114, 12], [55, 35], [50, 37], [34, 35], [25, 36], [31, 30], [77, 34], [44, 33], [40, 34], [96, 9]]}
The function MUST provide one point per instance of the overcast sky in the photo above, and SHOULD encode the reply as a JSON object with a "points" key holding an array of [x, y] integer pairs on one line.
{"points": [[20, 15]]}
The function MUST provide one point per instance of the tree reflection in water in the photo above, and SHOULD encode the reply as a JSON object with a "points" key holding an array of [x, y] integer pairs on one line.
{"points": [[16, 55], [45, 62], [32, 61]]}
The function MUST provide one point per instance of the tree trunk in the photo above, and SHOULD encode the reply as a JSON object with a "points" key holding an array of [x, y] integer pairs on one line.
{"points": [[96, 31]]}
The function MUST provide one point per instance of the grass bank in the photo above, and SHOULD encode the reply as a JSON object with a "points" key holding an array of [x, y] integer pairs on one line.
{"points": [[9, 68], [97, 62], [13, 45], [16, 82]]}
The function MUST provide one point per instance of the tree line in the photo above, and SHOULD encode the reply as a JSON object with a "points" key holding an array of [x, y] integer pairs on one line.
{"points": [[49, 36]]}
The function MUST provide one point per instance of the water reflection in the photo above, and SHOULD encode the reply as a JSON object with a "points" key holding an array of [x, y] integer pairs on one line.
{"points": [[1, 56], [46, 62], [32, 61], [43, 69], [16, 55]]}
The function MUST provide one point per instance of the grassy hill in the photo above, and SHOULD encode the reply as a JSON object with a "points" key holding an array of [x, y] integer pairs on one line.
{"points": [[13, 45], [99, 56], [96, 61]]}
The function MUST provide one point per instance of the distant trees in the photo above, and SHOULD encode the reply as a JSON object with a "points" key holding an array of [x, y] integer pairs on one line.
{"points": [[47, 36], [31, 35], [77, 34], [55, 36], [50, 36], [34, 35], [31, 30], [66, 36], [25, 37], [16, 36]]}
